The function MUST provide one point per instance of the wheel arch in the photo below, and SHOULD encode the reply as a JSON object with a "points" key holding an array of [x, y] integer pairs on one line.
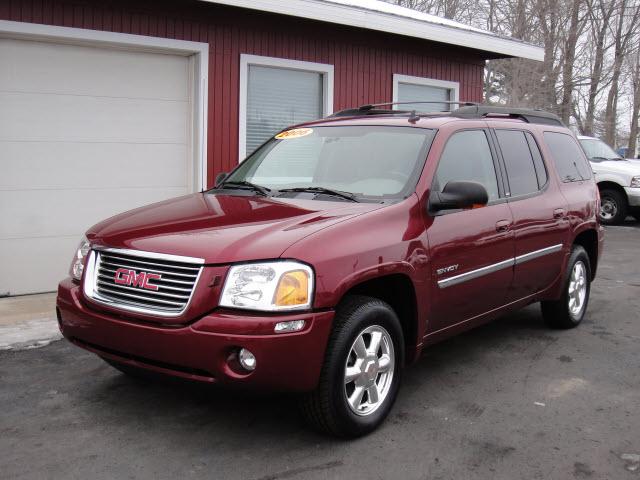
{"points": [[588, 239], [610, 185], [396, 289]]}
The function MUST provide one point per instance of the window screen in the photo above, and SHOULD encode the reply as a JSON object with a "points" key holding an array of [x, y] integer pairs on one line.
{"points": [[517, 158], [279, 97], [410, 92], [569, 158], [467, 157]]}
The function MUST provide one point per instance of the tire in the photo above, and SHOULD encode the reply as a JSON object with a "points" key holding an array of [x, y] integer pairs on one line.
{"points": [[613, 207], [565, 313], [327, 408]]}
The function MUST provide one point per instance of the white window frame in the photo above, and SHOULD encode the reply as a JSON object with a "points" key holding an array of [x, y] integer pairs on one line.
{"points": [[197, 52], [326, 70], [428, 82]]}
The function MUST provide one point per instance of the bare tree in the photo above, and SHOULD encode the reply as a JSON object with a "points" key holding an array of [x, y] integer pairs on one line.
{"points": [[635, 109], [600, 12], [626, 27], [587, 45], [576, 24]]}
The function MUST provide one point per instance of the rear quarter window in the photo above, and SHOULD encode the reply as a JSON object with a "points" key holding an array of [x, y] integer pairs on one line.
{"points": [[570, 161]]}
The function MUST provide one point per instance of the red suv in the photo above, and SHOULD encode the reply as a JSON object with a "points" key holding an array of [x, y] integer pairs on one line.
{"points": [[330, 257]]}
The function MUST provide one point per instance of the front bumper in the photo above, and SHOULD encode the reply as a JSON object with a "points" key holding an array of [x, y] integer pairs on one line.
{"points": [[633, 196], [203, 350]]}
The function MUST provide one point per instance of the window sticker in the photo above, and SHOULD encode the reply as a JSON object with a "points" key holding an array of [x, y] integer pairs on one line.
{"points": [[294, 133]]}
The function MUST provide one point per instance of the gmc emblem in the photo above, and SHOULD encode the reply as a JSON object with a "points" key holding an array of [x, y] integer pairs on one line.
{"points": [[124, 276]]}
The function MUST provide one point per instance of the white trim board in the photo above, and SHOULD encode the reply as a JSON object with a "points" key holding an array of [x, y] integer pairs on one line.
{"points": [[197, 52], [245, 60], [376, 15], [428, 82]]}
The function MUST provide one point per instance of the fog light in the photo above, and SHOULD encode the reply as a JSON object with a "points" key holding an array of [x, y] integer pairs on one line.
{"points": [[292, 326], [247, 359]]}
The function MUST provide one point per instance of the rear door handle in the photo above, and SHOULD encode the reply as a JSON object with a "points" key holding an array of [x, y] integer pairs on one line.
{"points": [[559, 213], [503, 226]]}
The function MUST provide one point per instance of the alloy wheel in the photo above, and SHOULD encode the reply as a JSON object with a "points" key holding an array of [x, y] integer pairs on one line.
{"points": [[368, 373], [577, 288]]}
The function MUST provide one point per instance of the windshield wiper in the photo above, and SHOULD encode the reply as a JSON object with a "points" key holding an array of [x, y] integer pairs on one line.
{"points": [[324, 191], [244, 185]]}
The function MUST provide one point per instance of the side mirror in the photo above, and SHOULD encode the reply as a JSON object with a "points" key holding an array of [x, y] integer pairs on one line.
{"points": [[459, 195], [221, 178]]}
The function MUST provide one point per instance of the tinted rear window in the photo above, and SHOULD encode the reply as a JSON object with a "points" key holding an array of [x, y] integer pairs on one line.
{"points": [[569, 158], [517, 158]]}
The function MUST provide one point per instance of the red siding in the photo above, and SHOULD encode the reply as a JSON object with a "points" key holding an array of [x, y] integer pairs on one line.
{"points": [[364, 61]]}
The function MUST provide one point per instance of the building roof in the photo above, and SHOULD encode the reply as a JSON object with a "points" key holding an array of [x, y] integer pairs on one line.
{"points": [[386, 17]]}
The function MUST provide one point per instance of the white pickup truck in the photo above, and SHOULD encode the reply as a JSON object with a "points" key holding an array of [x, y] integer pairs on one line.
{"points": [[618, 180]]}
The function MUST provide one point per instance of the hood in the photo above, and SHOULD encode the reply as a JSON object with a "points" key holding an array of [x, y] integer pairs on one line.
{"points": [[631, 168], [222, 228]]}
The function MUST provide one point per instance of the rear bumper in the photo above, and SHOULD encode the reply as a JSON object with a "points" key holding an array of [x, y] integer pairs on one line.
{"points": [[205, 349]]}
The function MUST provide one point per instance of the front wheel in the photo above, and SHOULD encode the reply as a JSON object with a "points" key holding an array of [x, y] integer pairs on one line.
{"points": [[613, 207], [569, 311], [361, 374]]}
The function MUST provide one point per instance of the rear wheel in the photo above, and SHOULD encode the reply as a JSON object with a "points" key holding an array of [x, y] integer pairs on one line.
{"points": [[360, 377], [569, 311], [613, 207]]}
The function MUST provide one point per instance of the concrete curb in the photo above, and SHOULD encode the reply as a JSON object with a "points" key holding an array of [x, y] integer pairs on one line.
{"points": [[28, 322]]}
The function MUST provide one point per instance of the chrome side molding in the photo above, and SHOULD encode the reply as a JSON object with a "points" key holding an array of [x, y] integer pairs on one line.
{"points": [[465, 277], [538, 253]]}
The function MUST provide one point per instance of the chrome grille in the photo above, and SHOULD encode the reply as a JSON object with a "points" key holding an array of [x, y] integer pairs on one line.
{"points": [[167, 290]]}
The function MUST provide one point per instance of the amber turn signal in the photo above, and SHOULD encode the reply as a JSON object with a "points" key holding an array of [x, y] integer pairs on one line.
{"points": [[293, 289]]}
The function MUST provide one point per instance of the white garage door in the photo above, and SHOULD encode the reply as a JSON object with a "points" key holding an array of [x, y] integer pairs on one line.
{"points": [[85, 133]]}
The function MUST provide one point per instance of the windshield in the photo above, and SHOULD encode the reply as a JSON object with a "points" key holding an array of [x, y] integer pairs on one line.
{"points": [[598, 151], [370, 162]]}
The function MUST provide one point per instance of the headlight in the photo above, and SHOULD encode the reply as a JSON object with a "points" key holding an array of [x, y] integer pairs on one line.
{"points": [[271, 286], [635, 182], [77, 266]]}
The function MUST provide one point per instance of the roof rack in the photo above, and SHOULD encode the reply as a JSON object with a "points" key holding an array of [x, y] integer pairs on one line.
{"points": [[466, 110], [529, 115], [372, 109]]}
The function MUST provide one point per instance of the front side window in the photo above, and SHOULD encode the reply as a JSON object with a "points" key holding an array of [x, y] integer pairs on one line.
{"points": [[467, 158], [518, 161], [372, 162], [569, 158]]}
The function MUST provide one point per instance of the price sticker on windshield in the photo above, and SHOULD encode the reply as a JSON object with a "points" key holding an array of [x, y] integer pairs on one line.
{"points": [[294, 133]]}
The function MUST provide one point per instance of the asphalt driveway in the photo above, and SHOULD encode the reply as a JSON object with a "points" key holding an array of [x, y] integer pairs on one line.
{"points": [[510, 400]]}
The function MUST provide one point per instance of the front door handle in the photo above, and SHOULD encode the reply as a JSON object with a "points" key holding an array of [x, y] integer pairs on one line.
{"points": [[503, 226], [559, 213]]}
